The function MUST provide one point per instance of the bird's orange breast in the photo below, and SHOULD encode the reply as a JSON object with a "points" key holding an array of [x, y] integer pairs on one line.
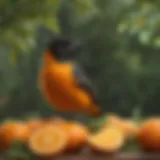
{"points": [[60, 89]]}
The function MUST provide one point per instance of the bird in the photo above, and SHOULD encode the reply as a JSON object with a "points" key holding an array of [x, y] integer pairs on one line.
{"points": [[64, 83]]}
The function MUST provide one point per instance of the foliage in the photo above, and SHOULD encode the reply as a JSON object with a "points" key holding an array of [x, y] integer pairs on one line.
{"points": [[120, 52], [18, 150], [22, 17]]}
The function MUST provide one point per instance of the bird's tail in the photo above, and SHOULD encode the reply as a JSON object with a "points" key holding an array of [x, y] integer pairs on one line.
{"points": [[95, 111]]}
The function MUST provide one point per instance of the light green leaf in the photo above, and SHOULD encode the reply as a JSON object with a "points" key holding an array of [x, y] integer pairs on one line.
{"points": [[52, 23], [134, 62], [156, 42], [144, 37], [122, 27]]}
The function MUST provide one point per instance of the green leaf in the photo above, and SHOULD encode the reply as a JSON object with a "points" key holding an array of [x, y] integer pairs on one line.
{"points": [[13, 57], [19, 150], [144, 37], [53, 24], [84, 6], [55, 4], [95, 125], [134, 62], [156, 42]]}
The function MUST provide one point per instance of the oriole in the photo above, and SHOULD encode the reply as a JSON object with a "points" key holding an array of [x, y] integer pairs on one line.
{"points": [[64, 83]]}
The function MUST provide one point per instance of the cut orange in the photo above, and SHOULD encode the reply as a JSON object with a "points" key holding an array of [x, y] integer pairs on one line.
{"points": [[48, 140], [128, 127], [109, 139]]}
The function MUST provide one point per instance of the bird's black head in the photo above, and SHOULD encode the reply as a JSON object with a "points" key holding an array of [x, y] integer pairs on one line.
{"points": [[63, 48]]}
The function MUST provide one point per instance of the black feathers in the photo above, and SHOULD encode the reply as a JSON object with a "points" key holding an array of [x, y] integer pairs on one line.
{"points": [[62, 48]]}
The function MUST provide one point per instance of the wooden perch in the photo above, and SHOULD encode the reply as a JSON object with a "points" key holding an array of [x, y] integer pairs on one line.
{"points": [[122, 156]]}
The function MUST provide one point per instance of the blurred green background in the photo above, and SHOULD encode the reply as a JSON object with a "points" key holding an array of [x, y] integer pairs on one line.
{"points": [[121, 53]]}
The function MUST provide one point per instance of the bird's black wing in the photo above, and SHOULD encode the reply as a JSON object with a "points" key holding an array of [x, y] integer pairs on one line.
{"points": [[83, 82]]}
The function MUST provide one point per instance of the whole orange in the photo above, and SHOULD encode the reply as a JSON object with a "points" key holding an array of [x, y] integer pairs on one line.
{"points": [[14, 131], [149, 134], [77, 135]]}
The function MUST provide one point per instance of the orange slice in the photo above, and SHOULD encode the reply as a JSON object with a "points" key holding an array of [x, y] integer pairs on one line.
{"points": [[48, 140], [109, 139], [129, 127]]}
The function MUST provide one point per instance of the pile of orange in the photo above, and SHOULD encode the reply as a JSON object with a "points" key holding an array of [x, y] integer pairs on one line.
{"points": [[44, 137], [56, 136]]}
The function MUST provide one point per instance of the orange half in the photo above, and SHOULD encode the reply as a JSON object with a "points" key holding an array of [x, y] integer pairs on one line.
{"points": [[48, 140], [109, 139]]}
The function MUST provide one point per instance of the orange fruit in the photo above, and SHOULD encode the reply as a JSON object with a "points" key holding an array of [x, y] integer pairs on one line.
{"points": [[35, 124], [109, 139], [115, 120], [48, 140], [14, 131], [77, 135], [3, 144], [56, 121], [149, 134], [128, 127]]}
